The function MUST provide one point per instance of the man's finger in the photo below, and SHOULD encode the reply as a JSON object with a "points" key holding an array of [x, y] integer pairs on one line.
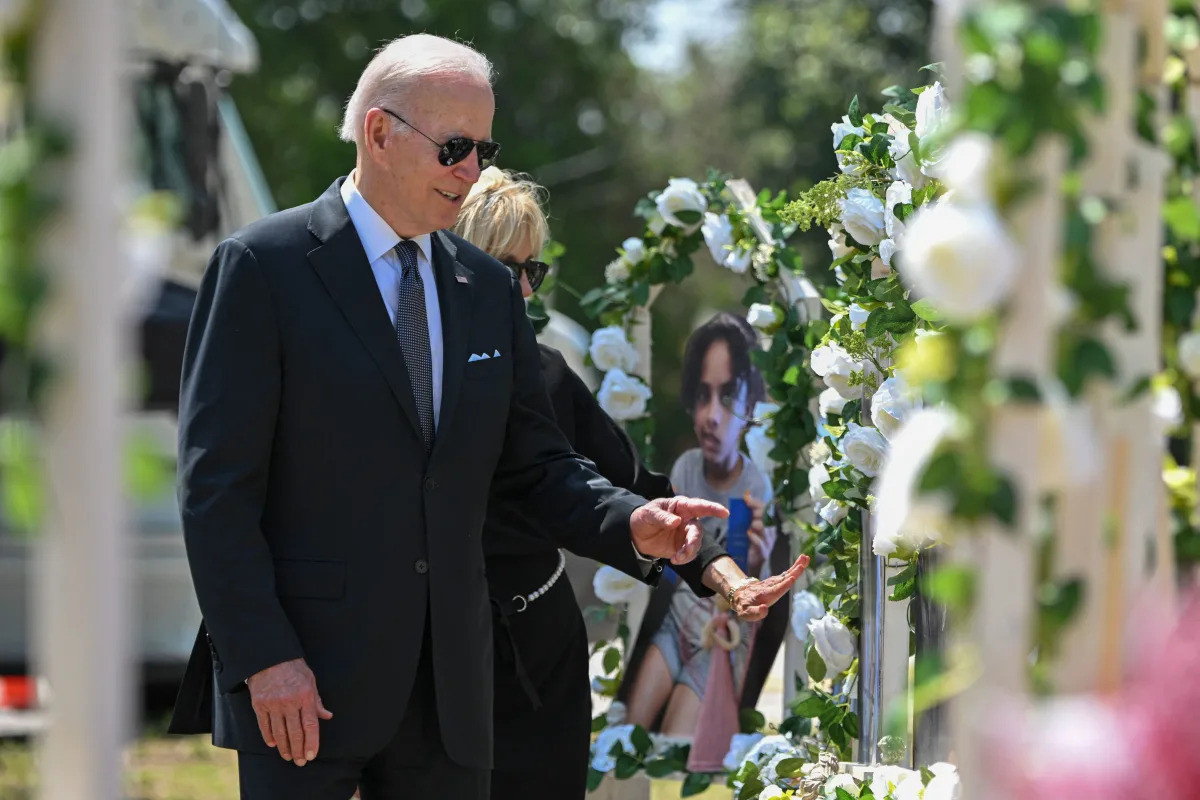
{"points": [[689, 507], [322, 711], [279, 733], [691, 545], [312, 731], [264, 727], [295, 733]]}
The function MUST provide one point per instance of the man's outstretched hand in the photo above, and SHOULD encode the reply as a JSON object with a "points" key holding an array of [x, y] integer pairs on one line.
{"points": [[669, 527], [754, 600]]}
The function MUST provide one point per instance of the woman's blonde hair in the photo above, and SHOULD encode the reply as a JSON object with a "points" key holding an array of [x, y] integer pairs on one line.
{"points": [[504, 212]]}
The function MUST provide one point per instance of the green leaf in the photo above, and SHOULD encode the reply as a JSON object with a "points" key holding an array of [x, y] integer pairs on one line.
{"points": [[790, 767], [627, 766], [842, 794], [850, 724], [1003, 502], [879, 127], [854, 113], [952, 586], [640, 294], [1183, 218], [926, 311], [812, 706], [599, 723], [612, 660], [1059, 601], [660, 768], [640, 740], [594, 779], [751, 720], [689, 217], [815, 664], [695, 783], [751, 788]]}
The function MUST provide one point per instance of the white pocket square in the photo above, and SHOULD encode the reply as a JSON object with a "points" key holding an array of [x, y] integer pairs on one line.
{"points": [[482, 356]]}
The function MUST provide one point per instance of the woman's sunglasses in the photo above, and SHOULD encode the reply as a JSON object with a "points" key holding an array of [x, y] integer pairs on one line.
{"points": [[535, 272], [456, 149]]}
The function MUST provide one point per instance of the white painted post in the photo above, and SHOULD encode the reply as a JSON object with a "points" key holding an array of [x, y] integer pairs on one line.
{"points": [[84, 606], [1080, 542]]}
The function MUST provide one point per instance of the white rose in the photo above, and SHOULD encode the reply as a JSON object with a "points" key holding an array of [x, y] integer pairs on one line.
{"points": [[635, 250], [840, 131], [828, 509], [770, 771], [906, 521], [945, 783], [718, 235], [841, 781], [840, 275], [1167, 408], [890, 406], [767, 748], [966, 167], [897, 194], [802, 295], [682, 204], [836, 366], [960, 259], [616, 714], [616, 271], [611, 350], [762, 316], [656, 223], [830, 402], [933, 111], [862, 216], [759, 445], [622, 396], [907, 168], [832, 511], [858, 317], [837, 242], [602, 761], [865, 448], [613, 586], [834, 642], [739, 745], [1189, 354], [771, 792], [806, 607], [910, 787], [887, 249]]}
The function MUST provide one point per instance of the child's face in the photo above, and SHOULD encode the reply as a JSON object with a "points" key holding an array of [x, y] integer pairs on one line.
{"points": [[719, 414]]}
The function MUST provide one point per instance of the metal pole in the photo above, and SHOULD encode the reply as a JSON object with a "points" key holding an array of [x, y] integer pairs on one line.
{"points": [[873, 594], [84, 609], [931, 735]]}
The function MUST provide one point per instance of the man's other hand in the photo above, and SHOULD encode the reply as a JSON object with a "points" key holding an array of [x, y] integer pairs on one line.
{"points": [[288, 708], [669, 527]]}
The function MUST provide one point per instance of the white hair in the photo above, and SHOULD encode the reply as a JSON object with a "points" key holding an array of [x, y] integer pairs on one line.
{"points": [[399, 66]]}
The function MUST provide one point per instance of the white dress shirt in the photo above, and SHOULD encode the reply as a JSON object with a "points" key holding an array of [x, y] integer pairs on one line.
{"points": [[379, 242]]}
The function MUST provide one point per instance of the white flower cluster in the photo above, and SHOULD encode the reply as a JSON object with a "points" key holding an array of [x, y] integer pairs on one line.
{"points": [[622, 395]]}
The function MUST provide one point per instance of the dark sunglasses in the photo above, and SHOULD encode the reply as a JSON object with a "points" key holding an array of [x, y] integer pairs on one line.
{"points": [[456, 149], [535, 272]]}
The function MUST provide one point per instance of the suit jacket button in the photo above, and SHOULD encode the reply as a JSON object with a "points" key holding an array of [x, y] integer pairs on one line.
{"points": [[430, 484], [422, 566]]}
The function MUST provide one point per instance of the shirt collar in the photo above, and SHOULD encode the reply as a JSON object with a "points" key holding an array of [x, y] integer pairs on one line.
{"points": [[376, 235]]}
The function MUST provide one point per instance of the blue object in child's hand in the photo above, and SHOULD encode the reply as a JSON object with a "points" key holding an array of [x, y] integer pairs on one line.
{"points": [[737, 537]]}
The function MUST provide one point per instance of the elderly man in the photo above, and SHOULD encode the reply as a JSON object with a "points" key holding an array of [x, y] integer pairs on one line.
{"points": [[353, 382]]}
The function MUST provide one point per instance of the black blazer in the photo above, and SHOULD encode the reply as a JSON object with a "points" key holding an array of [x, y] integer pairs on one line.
{"points": [[316, 526]]}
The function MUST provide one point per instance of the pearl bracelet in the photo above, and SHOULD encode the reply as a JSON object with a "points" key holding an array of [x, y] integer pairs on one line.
{"points": [[545, 587]]}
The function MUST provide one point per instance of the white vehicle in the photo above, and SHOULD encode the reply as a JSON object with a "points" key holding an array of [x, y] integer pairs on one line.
{"points": [[190, 142]]}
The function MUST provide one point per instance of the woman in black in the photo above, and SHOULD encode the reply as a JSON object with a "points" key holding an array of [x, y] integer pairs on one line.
{"points": [[542, 706]]}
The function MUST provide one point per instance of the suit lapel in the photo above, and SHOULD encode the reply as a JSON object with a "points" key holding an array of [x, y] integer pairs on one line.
{"points": [[456, 286], [342, 266]]}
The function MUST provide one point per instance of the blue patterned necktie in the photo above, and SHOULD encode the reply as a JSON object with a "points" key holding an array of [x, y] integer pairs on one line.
{"points": [[412, 331]]}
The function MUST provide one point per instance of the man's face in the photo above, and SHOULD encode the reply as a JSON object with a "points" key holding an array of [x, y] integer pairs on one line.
{"points": [[422, 195], [719, 413]]}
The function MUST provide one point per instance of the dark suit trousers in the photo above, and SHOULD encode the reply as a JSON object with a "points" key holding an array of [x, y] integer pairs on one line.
{"points": [[413, 765]]}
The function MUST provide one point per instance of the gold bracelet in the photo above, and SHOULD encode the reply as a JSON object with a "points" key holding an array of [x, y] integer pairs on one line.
{"points": [[743, 583]]}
